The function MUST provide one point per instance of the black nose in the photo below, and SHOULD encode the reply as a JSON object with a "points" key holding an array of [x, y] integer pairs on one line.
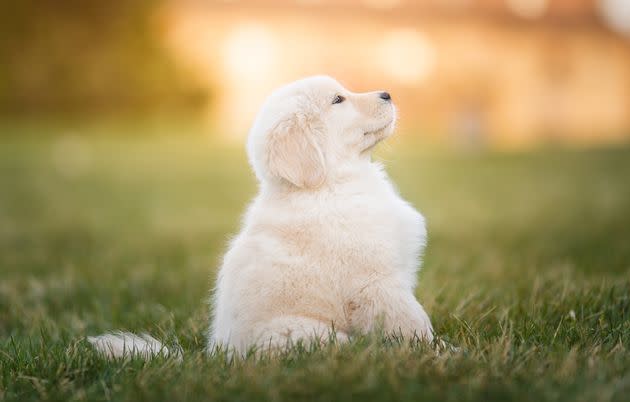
{"points": [[385, 96]]}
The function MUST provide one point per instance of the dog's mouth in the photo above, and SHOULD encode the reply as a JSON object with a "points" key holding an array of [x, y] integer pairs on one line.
{"points": [[380, 129], [374, 137], [373, 131]]}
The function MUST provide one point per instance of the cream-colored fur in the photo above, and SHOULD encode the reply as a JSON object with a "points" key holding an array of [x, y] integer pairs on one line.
{"points": [[328, 243], [327, 247]]}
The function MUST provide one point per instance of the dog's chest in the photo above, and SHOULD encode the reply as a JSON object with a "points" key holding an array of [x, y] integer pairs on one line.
{"points": [[374, 231]]}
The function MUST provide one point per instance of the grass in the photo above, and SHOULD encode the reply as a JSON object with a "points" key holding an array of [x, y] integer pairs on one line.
{"points": [[527, 270]]}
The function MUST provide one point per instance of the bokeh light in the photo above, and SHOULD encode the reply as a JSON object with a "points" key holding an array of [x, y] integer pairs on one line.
{"points": [[249, 52], [528, 8], [383, 4], [407, 56], [616, 13], [503, 73]]}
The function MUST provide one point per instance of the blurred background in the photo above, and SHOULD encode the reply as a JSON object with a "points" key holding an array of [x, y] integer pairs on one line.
{"points": [[498, 73], [123, 171]]}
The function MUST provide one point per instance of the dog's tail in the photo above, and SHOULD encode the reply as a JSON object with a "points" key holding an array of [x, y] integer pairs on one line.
{"points": [[120, 344]]}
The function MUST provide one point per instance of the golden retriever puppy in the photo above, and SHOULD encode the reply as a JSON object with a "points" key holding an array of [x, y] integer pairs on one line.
{"points": [[327, 247], [328, 242]]}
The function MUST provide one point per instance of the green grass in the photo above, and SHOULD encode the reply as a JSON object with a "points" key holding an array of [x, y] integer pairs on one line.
{"points": [[527, 270]]}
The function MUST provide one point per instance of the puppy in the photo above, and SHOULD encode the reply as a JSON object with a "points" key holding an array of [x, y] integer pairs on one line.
{"points": [[328, 247]]}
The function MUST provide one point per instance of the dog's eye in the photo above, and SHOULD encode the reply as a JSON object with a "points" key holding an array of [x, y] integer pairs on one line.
{"points": [[338, 99]]}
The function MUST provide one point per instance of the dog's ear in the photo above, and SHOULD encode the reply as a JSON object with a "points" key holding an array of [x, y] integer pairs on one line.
{"points": [[294, 153]]}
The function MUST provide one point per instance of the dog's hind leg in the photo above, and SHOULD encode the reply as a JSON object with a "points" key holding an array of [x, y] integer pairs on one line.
{"points": [[289, 330]]}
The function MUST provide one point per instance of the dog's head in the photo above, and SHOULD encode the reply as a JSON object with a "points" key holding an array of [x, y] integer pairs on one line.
{"points": [[308, 130]]}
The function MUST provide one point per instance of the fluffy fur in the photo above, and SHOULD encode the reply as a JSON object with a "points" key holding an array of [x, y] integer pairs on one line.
{"points": [[327, 247], [328, 242], [119, 344]]}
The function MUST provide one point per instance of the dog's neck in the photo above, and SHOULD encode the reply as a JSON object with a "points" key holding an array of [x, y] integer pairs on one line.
{"points": [[345, 174]]}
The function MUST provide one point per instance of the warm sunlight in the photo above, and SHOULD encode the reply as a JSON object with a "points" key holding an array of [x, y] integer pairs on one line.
{"points": [[520, 79], [433, 204], [528, 8], [249, 53], [407, 56]]}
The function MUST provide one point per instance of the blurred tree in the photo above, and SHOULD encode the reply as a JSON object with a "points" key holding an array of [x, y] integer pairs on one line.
{"points": [[69, 55]]}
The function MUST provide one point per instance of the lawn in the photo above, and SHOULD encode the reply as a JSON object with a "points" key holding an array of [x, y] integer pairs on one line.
{"points": [[527, 271]]}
